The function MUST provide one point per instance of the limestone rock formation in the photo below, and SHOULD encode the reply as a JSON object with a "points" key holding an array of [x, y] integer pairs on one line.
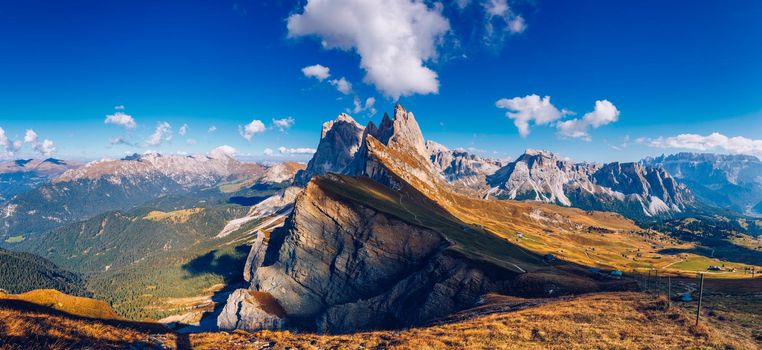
{"points": [[251, 311]]}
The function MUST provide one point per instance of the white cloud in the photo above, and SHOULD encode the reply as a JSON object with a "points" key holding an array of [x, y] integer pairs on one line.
{"points": [[367, 106], [119, 118], [119, 107], [283, 124], [317, 71], [343, 85], [530, 109], [183, 129], [163, 132], [302, 150], [45, 148], [394, 39], [268, 151], [712, 142], [517, 24], [30, 136], [8, 147], [212, 128], [190, 142], [248, 130], [604, 113], [501, 19], [222, 152]]}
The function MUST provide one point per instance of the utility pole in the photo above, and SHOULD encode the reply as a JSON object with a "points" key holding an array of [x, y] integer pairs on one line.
{"points": [[701, 296]]}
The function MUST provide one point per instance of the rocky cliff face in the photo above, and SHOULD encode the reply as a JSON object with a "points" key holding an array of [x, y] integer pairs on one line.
{"points": [[460, 167], [340, 140], [631, 189], [340, 266], [730, 181]]}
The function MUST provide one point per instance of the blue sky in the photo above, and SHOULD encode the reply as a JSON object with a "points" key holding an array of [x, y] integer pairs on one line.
{"points": [[668, 75]]}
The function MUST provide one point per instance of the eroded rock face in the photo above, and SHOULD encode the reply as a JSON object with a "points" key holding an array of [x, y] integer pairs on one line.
{"points": [[339, 142], [251, 311], [338, 266], [631, 189]]}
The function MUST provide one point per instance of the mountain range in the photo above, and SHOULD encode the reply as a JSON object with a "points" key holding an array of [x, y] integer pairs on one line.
{"points": [[392, 231]]}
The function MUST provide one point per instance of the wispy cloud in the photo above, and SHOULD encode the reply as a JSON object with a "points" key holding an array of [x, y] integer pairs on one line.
{"points": [[284, 123], [163, 132], [711, 142]]}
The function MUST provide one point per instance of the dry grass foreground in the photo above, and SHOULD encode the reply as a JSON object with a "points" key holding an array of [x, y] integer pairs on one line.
{"points": [[625, 320]]}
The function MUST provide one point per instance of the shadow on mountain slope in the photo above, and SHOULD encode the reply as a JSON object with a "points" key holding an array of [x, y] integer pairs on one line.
{"points": [[720, 249]]}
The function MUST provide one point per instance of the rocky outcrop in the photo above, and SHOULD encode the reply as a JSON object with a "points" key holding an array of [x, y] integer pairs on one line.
{"points": [[631, 189], [340, 266], [251, 311], [340, 140], [460, 167]]}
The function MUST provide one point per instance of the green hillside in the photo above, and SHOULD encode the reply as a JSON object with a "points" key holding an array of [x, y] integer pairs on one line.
{"points": [[22, 272]]}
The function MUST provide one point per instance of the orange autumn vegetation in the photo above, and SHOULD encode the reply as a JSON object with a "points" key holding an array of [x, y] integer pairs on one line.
{"points": [[625, 320]]}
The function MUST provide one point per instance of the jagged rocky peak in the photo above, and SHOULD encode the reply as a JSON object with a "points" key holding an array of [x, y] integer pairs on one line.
{"points": [[460, 167], [402, 132], [340, 140], [632, 189]]}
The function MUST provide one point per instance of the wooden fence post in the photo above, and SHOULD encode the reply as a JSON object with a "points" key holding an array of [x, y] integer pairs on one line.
{"points": [[701, 297]]}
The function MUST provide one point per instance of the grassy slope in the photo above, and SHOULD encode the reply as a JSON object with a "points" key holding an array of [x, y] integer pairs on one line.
{"points": [[78, 306], [599, 239], [603, 321]]}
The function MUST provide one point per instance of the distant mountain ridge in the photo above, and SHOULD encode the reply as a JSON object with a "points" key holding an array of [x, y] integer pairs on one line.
{"points": [[101, 186], [22, 175], [632, 189], [730, 181]]}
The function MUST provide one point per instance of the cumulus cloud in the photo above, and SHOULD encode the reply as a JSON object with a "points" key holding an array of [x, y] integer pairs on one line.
{"points": [[342, 85], [302, 150], [284, 124], [268, 151], [712, 142], [604, 113], [30, 136], [183, 129], [223, 152], [119, 107], [45, 148], [163, 132], [530, 110], [212, 129], [190, 142], [394, 39], [249, 130], [317, 71], [8, 148], [121, 119]]}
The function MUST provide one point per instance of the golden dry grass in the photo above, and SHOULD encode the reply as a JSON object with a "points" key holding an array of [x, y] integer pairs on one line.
{"points": [[56, 300], [593, 321], [624, 320], [177, 216]]}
